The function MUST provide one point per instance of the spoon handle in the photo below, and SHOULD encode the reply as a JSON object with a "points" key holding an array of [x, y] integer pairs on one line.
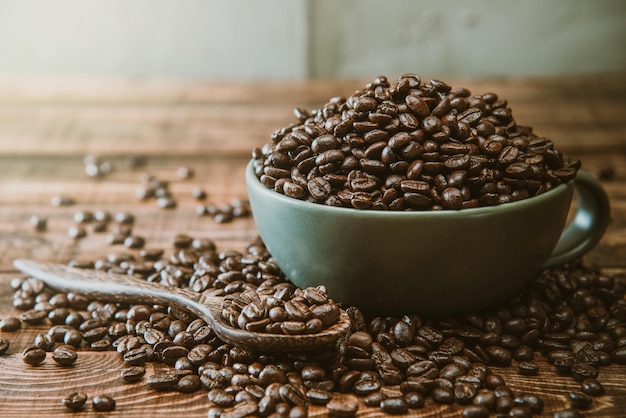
{"points": [[96, 284]]}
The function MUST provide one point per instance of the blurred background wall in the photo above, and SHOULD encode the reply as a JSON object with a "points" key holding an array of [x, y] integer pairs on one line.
{"points": [[272, 39]]}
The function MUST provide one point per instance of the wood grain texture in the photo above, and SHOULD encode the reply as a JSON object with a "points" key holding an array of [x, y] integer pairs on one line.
{"points": [[47, 127]]}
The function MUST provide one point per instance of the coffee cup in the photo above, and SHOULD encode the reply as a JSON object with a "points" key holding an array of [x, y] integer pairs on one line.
{"points": [[428, 262]]}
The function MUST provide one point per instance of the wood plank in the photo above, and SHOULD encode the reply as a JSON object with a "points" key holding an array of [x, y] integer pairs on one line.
{"points": [[122, 118]]}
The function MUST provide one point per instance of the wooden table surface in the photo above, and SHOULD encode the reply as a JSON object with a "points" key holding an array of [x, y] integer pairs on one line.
{"points": [[47, 127]]}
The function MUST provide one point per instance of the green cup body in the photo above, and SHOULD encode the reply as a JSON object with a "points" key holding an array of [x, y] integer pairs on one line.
{"points": [[434, 262]]}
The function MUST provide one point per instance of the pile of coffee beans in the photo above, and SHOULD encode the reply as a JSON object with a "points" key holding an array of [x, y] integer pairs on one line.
{"points": [[572, 316], [281, 309], [410, 145]]}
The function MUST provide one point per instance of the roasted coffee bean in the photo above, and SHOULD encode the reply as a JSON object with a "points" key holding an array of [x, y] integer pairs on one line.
{"points": [[582, 371], [394, 405], [4, 345], [374, 399], [443, 396], [580, 400], [532, 402], [188, 384], [33, 316], [292, 395], [523, 353], [318, 396], [475, 411], [133, 374], [485, 398], [592, 387], [33, 355], [103, 403], [520, 412], [414, 400], [503, 404], [528, 368], [162, 380], [499, 356], [10, 324], [76, 232], [568, 413], [65, 355], [39, 223], [74, 401]]}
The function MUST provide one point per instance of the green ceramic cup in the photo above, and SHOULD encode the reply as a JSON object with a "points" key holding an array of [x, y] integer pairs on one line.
{"points": [[433, 263]]}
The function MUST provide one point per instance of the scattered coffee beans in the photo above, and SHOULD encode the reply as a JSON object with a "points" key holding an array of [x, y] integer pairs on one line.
{"points": [[571, 315], [410, 145]]}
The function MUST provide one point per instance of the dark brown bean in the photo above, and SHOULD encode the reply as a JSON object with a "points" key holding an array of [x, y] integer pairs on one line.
{"points": [[65, 355], [592, 387], [103, 403], [33, 355], [74, 401]]}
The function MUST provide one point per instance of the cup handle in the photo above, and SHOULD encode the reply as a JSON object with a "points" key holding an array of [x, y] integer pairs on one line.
{"points": [[589, 223]]}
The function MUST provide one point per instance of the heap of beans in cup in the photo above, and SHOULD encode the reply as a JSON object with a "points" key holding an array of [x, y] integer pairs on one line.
{"points": [[410, 145], [571, 321]]}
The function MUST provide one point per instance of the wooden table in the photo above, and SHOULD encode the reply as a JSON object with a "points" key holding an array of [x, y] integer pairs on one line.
{"points": [[47, 127]]}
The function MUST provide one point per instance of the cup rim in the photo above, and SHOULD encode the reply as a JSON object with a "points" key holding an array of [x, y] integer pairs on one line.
{"points": [[253, 181]]}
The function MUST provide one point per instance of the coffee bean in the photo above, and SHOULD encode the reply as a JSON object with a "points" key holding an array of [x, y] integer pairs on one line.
{"points": [[568, 413], [592, 387], [65, 355], [443, 396], [162, 380], [580, 400], [39, 223], [4, 345], [133, 374], [103, 403], [62, 201], [318, 396], [188, 384], [33, 355], [528, 368], [520, 412], [532, 402], [292, 395], [10, 324], [76, 232], [394, 405], [221, 398], [582, 371], [499, 356], [74, 401], [475, 411], [374, 399]]}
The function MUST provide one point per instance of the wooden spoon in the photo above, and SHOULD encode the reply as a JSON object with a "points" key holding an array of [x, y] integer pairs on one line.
{"points": [[97, 284]]}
